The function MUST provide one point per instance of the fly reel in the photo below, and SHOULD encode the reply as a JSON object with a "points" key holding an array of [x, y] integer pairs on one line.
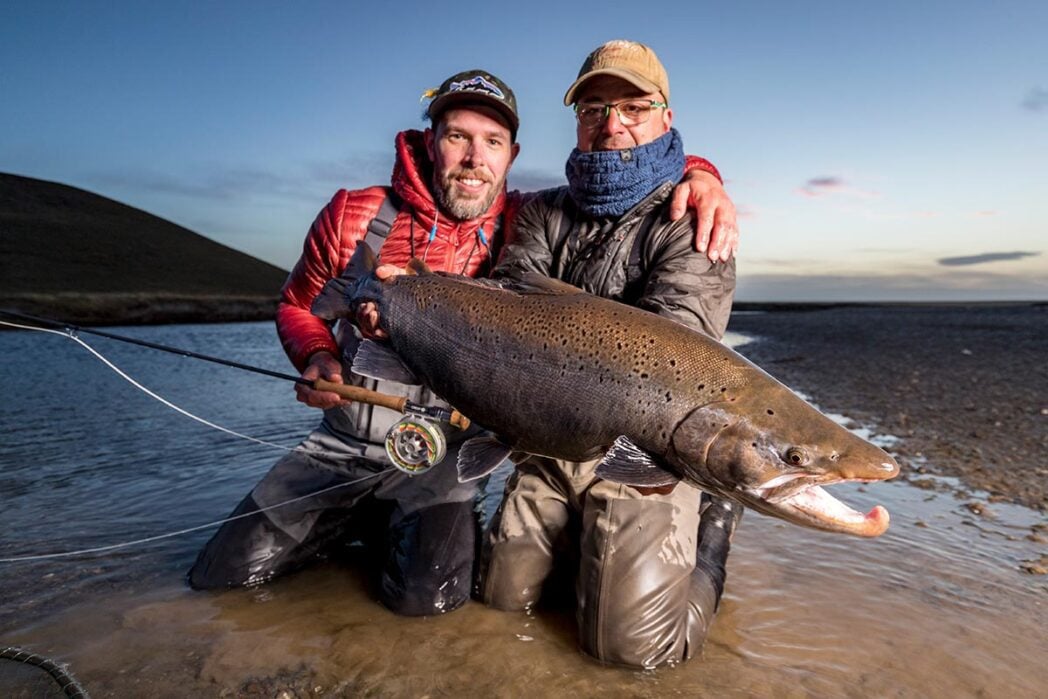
{"points": [[415, 445]]}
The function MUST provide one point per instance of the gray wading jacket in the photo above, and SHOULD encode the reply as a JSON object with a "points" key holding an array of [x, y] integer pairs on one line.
{"points": [[641, 258]]}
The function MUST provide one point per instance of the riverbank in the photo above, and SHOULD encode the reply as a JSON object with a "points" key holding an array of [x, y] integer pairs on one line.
{"points": [[964, 388], [143, 308]]}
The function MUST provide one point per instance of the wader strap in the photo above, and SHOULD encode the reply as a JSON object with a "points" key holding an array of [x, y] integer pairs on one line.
{"points": [[379, 227]]}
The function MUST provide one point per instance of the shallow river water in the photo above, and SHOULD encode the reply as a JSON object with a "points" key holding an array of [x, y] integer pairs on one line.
{"points": [[937, 607]]}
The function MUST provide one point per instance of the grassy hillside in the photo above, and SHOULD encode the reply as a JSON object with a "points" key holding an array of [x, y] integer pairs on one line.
{"points": [[82, 257]]}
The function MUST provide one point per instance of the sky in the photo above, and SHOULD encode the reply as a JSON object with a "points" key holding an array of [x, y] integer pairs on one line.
{"points": [[875, 151]]}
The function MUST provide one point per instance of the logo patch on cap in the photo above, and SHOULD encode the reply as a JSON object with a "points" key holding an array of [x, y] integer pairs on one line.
{"points": [[477, 84]]}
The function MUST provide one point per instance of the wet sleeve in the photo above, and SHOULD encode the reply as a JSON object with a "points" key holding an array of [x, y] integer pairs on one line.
{"points": [[684, 285]]}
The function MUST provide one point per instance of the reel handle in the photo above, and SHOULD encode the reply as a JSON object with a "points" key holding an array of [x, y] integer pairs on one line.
{"points": [[364, 395]]}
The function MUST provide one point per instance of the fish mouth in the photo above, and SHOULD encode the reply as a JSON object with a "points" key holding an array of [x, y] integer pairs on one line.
{"points": [[804, 500]]}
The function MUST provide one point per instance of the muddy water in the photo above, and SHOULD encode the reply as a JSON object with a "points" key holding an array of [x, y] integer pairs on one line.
{"points": [[937, 607]]}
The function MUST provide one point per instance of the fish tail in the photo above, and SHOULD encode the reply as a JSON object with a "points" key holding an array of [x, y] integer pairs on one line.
{"points": [[340, 296]]}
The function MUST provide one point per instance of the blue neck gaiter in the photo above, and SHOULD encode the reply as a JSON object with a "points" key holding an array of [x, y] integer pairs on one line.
{"points": [[610, 183]]}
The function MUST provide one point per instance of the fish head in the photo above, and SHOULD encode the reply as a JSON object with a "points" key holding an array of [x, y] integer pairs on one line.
{"points": [[775, 453]]}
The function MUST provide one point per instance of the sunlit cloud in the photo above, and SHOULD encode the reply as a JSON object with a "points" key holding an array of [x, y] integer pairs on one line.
{"points": [[984, 257], [826, 186], [1036, 100]]}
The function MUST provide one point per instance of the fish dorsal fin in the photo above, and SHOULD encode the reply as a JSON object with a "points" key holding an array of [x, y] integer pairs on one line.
{"points": [[480, 456], [417, 266], [333, 300], [628, 464], [362, 263], [378, 361], [535, 283]]}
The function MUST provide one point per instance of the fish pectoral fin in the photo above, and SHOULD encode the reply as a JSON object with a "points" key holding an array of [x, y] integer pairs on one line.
{"points": [[378, 361], [628, 464], [333, 300], [535, 283], [479, 456]]}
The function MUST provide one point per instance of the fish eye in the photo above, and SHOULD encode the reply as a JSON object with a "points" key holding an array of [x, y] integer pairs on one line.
{"points": [[795, 456]]}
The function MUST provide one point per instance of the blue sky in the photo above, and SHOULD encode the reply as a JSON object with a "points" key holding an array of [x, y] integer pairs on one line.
{"points": [[876, 151]]}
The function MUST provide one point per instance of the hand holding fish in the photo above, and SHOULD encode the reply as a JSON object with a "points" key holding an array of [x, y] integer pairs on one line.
{"points": [[716, 229], [322, 365], [367, 313]]}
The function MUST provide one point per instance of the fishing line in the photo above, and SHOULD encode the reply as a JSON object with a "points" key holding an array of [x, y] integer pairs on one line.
{"points": [[158, 537], [98, 549]]}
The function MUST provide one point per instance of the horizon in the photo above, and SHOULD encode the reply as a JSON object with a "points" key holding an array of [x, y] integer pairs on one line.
{"points": [[891, 154]]}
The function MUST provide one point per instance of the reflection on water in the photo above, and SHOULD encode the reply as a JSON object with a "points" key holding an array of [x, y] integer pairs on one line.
{"points": [[936, 607]]}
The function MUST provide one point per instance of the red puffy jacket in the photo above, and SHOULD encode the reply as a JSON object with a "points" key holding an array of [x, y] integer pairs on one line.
{"points": [[341, 224]]}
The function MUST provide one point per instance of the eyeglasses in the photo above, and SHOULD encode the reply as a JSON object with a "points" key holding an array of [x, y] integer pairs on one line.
{"points": [[631, 112]]}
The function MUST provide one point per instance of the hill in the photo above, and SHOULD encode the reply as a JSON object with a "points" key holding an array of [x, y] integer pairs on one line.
{"points": [[80, 257]]}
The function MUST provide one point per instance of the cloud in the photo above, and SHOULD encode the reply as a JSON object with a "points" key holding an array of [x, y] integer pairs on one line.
{"points": [[533, 180], [1036, 100], [823, 186], [983, 258], [353, 171], [233, 184]]}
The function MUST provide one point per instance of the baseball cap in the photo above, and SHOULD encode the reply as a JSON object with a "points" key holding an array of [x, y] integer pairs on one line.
{"points": [[633, 62], [475, 87]]}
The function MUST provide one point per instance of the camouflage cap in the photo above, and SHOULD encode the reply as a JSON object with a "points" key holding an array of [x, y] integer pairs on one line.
{"points": [[475, 87]]}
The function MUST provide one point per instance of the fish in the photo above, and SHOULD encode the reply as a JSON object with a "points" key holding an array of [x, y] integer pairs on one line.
{"points": [[548, 369]]}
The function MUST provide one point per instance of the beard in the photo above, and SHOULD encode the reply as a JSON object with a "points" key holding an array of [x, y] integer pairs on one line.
{"points": [[465, 206]]}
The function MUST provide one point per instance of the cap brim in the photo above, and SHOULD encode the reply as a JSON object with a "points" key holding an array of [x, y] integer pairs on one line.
{"points": [[632, 78], [464, 98]]}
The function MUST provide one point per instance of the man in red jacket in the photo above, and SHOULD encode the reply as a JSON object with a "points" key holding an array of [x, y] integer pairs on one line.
{"points": [[447, 205]]}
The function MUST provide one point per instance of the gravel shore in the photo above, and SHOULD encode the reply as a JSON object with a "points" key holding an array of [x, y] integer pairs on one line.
{"points": [[965, 388]]}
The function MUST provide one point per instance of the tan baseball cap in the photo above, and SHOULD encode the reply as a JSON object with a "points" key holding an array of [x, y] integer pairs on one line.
{"points": [[633, 62]]}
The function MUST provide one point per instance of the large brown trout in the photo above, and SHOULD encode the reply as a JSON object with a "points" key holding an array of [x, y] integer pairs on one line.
{"points": [[550, 370]]}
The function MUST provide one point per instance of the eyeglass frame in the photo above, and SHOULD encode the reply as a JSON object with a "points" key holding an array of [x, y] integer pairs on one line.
{"points": [[652, 104]]}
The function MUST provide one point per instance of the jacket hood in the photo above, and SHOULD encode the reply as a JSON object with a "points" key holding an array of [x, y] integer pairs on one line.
{"points": [[412, 177]]}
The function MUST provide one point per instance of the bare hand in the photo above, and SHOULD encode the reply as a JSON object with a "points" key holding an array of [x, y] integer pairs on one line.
{"points": [[322, 365], [716, 229], [367, 312]]}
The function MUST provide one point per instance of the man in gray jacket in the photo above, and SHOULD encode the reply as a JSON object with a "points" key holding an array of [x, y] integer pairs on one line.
{"points": [[651, 569]]}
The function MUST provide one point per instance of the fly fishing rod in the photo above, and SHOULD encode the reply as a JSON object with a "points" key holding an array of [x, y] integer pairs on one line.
{"points": [[413, 445]]}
